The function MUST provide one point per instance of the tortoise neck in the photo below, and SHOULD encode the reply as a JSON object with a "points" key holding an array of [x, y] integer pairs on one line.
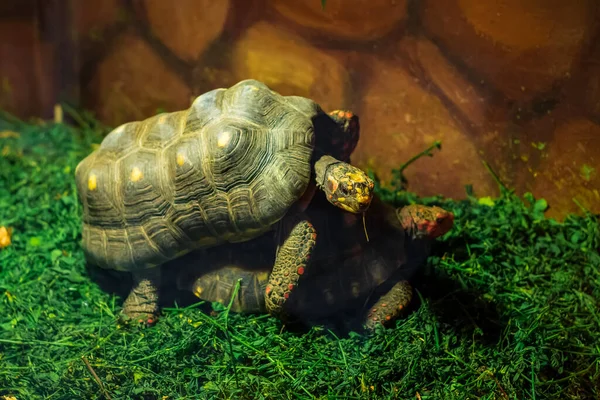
{"points": [[321, 167]]}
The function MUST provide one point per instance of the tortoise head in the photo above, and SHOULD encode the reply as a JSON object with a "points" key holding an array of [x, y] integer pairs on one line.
{"points": [[425, 222], [345, 186], [349, 127]]}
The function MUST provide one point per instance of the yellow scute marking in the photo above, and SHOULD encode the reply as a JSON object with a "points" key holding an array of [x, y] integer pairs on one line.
{"points": [[136, 174], [223, 139], [92, 182], [262, 276], [180, 159]]}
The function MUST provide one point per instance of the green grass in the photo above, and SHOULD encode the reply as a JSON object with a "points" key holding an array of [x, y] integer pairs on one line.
{"points": [[507, 307]]}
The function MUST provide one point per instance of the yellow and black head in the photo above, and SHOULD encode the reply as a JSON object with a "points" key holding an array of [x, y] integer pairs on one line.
{"points": [[348, 187]]}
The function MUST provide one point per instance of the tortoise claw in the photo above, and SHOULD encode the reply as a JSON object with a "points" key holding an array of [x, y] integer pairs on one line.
{"points": [[143, 320]]}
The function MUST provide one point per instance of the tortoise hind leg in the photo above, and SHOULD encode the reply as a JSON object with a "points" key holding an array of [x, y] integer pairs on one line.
{"points": [[141, 304], [389, 306], [290, 264]]}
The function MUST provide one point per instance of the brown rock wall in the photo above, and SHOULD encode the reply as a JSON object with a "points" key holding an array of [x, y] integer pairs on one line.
{"points": [[470, 101], [290, 65], [521, 48], [357, 20], [399, 119], [586, 92], [19, 88], [570, 170], [187, 27], [132, 82], [478, 113], [91, 18]]}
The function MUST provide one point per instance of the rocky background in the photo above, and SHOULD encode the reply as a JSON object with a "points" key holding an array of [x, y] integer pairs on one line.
{"points": [[515, 83]]}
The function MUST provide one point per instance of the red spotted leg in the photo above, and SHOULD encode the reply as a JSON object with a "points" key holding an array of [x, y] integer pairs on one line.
{"points": [[290, 264], [389, 306]]}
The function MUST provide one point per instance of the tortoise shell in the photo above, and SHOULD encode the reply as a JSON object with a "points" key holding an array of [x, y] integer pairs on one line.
{"points": [[224, 170]]}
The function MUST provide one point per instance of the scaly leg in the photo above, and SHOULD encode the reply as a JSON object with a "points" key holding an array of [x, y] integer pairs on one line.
{"points": [[142, 303], [290, 264], [389, 306]]}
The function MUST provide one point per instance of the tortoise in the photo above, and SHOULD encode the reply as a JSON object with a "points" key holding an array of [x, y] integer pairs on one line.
{"points": [[241, 161], [345, 273]]}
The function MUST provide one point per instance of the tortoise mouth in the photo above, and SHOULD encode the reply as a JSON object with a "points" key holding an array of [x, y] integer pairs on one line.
{"points": [[363, 202], [356, 203]]}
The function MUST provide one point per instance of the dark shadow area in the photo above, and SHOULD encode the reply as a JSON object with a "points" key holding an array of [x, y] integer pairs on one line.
{"points": [[119, 283], [458, 309], [464, 311]]}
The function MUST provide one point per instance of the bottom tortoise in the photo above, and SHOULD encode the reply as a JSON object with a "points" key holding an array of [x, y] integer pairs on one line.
{"points": [[346, 272]]}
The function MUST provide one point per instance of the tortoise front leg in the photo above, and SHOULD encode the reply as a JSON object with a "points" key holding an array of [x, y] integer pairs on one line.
{"points": [[290, 264], [389, 306], [142, 303]]}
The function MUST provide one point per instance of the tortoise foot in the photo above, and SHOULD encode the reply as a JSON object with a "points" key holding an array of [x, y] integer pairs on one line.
{"points": [[141, 306], [140, 309], [389, 306], [290, 265]]}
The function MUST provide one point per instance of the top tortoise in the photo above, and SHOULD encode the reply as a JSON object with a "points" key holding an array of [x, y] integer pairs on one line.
{"points": [[236, 164]]}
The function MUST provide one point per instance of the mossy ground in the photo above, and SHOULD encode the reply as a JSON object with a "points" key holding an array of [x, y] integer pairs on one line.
{"points": [[507, 307]]}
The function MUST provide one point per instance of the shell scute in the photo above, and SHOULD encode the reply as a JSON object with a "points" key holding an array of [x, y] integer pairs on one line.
{"points": [[186, 178], [162, 129], [124, 139], [99, 201], [166, 240], [139, 187], [141, 254], [118, 249], [226, 169], [192, 220], [205, 109]]}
